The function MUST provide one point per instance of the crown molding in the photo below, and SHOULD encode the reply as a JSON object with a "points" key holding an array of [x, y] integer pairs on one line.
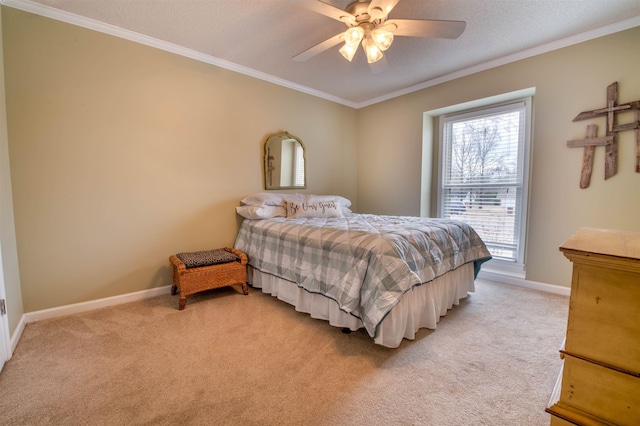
{"points": [[92, 24], [538, 50]]}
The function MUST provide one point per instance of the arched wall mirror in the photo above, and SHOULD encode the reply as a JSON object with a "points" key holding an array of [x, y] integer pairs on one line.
{"points": [[284, 162]]}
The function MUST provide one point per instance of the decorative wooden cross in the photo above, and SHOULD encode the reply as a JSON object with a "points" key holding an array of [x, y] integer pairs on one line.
{"points": [[610, 141]]}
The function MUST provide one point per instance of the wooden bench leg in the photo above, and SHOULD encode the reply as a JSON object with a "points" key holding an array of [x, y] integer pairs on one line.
{"points": [[174, 290], [183, 302], [245, 288]]}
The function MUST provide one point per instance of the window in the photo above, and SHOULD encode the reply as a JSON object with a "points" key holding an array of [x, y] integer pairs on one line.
{"points": [[483, 176]]}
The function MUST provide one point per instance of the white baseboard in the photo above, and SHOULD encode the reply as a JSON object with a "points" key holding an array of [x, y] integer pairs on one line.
{"points": [[75, 308], [534, 285], [17, 333]]}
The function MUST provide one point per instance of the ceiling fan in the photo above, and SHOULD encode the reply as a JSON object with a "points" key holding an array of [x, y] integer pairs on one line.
{"points": [[367, 23]]}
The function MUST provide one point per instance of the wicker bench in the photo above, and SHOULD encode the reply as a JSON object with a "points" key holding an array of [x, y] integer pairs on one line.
{"points": [[193, 280]]}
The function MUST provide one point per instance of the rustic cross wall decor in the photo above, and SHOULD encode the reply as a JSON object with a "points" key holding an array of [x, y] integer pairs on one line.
{"points": [[610, 141]]}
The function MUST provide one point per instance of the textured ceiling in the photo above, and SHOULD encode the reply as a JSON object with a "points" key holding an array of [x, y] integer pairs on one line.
{"points": [[261, 36]]}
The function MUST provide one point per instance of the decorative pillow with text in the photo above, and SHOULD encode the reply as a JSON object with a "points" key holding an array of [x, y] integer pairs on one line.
{"points": [[328, 208]]}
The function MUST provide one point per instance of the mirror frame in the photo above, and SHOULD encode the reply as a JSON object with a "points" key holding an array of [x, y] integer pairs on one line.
{"points": [[279, 138]]}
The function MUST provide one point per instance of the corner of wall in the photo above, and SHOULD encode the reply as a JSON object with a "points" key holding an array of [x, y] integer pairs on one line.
{"points": [[8, 248]]}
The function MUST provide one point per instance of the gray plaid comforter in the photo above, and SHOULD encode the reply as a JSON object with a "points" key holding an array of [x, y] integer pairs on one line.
{"points": [[364, 262]]}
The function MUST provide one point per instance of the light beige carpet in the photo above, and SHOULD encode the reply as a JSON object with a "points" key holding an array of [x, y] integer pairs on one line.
{"points": [[230, 359]]}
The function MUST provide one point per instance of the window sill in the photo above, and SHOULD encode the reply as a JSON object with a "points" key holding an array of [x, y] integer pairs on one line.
{"points": [[503, 268]]}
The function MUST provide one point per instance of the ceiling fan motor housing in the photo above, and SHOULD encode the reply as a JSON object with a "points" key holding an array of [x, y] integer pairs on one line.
{"points": [[360, 9]]}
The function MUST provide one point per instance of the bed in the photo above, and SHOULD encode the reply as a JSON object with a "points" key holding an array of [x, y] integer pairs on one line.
{"points": [[390, 275]]}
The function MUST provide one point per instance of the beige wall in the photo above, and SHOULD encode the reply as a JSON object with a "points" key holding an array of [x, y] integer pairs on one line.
{"points": [[122, 155], [10, 271], [567, 81]]}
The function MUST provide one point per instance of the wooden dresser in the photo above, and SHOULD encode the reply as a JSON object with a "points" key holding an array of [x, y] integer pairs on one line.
{"points": [[600, 379]]}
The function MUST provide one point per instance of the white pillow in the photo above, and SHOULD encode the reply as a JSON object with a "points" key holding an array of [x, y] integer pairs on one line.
{"points": [[262, 212], [277, 198], [313, 208], [269, 199]]}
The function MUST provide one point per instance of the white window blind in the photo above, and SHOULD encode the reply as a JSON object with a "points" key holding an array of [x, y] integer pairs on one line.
{"points": [[483, 175], [299, 166]]}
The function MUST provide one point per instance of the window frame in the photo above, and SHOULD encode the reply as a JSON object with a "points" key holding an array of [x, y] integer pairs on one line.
{"points": [[517, 267]]}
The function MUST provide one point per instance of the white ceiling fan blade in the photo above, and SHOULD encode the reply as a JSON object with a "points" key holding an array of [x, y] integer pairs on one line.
{"points": [[425, 28], [379, 9], [319, 48], [326, 10]]}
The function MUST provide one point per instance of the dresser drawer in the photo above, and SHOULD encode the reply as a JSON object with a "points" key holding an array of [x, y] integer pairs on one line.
{"points": [[604, 316], [600, 391]]}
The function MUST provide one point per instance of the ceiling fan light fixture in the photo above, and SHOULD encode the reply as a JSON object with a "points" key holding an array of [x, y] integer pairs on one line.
{"points": [[382, 38], [353, 36], [348, 51], [368, 24], [373, 52]]}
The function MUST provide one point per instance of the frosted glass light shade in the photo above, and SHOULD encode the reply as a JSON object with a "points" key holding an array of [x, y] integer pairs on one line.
{"points": [[382, 38], [373, 52], [353, 36], [348, 51]]}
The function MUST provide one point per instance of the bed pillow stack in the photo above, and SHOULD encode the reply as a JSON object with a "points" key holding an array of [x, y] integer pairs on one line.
{"points": [[264, 205]]}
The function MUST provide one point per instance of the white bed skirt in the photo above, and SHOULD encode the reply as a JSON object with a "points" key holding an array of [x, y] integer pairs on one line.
{"points": [[420, 307]]}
